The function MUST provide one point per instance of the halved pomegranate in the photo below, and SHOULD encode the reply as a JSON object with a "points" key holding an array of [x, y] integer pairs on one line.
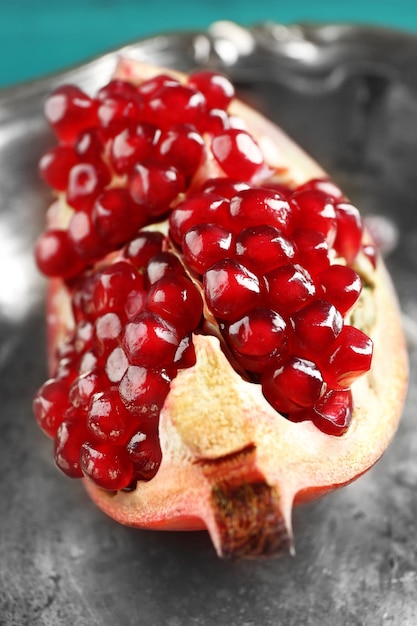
{"points": [[222, 345]]}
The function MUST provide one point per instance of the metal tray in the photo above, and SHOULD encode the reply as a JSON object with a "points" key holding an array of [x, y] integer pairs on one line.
{"points": [[349, 96]]}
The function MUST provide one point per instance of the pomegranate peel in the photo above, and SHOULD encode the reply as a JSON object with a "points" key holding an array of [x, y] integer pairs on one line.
{"points": [[229, 461]]}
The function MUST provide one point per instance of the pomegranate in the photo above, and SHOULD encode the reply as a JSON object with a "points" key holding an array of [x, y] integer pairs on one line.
{"points": [[224, 342]]}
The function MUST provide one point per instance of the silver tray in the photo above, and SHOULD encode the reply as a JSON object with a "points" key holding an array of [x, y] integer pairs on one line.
{"points": [[349, 96]]}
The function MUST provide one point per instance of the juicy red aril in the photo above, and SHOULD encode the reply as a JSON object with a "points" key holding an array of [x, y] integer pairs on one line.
{"points": [[107, 465], [177, 300], [88, 146], [84, 387], [69, 110], [342, 286], [316, 326], [263, 248], [349, 231], [181, 146], [116, 365], [216, 88], [50, 404], [204, 245], [55, 166], [260, 336], [185, 355], [116, 216], [149, 87], [107, 330], [325, 185], [332, 413], [215, 122], [55, 254], [175, 104], [238, 154], [84, 237], [296, 384], [112, 286], [201, 208], [141, 249], [143, 391], [69, 438], [85, 182], [224, 187], [83, 338], [312, 250], [163, 264], [108, 418], [316, 211], [349, 358], [231, 290], [150, 340], [133, 145], [146, 455], [116, 86], [290, 288], [118, 111], [154, 186], [257, 207]]}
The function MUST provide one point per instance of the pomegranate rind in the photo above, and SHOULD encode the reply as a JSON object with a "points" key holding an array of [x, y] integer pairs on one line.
{"points": [[230, 462]]}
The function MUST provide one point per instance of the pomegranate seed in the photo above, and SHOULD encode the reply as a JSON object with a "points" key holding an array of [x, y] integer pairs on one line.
{"points": [[150, 340], [55, 166], [143, 390], [85, 182], [175, 298], [298, 383], [69, 111], [316, 211], [84, 237], [113, 285], [106, 465], [55, 254], [83, 339], [185, 355], [342, 286], [116, 217], [155, 186], [107, 330], [316, 326], [201, 208], [118, 111], [290, 288], [175, 104], [263, 248], [312, 250], [163, 264], [145, 453], [370, 251], [332, 413], [257, 207], [108, 418], [259, 339], [116, 87], [350, 357], [204, 245], [215, 122], [116, 365], [50, 404], [88, 146], [231, 290], [181, 146], [217, 89], [141, 249], [70, 436], [133, 145], [149, 87], [84, 387], [349, 231], [238, 154], [325, 185], [281, 188], [224, 187]]}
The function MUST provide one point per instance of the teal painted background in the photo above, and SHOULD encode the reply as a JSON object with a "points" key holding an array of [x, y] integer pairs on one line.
{"points": [[41, 36]]}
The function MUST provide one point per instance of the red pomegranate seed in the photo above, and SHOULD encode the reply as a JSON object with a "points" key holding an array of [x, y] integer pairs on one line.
{"points": [[108, 418], [141, 249], [216, 88], [163, 264], [117, 87], [316, 211], [50, 404], [175, 298], [84, 387], [296, 384], [146, 455], [85, 182], [69, 111], [116, 217], [316, 327], [151, 86], [143, 391], [117, 112], [106, 465], [263, 248], [181, 146], [281, 188], [55, 254], [83, 339], [204, 245], [257, 207], [133, 145], [238, 154], [107, 330], [89, 147], [185, 355], [332, 413], [70, 436], [84, 237], [349, 358], [201, 208], [290, 288], [325, 185], [312, 250], [260, 337], [155, 186], [349, 231], [224, 187], [370, 251], [150, 340], [116, 365], [215, 122], [342, 286], [231, 290], [175, 104], [55, 166], [113, 285]]}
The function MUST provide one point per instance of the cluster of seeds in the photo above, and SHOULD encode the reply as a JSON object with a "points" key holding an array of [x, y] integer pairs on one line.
{"points": [[271, 265]]}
